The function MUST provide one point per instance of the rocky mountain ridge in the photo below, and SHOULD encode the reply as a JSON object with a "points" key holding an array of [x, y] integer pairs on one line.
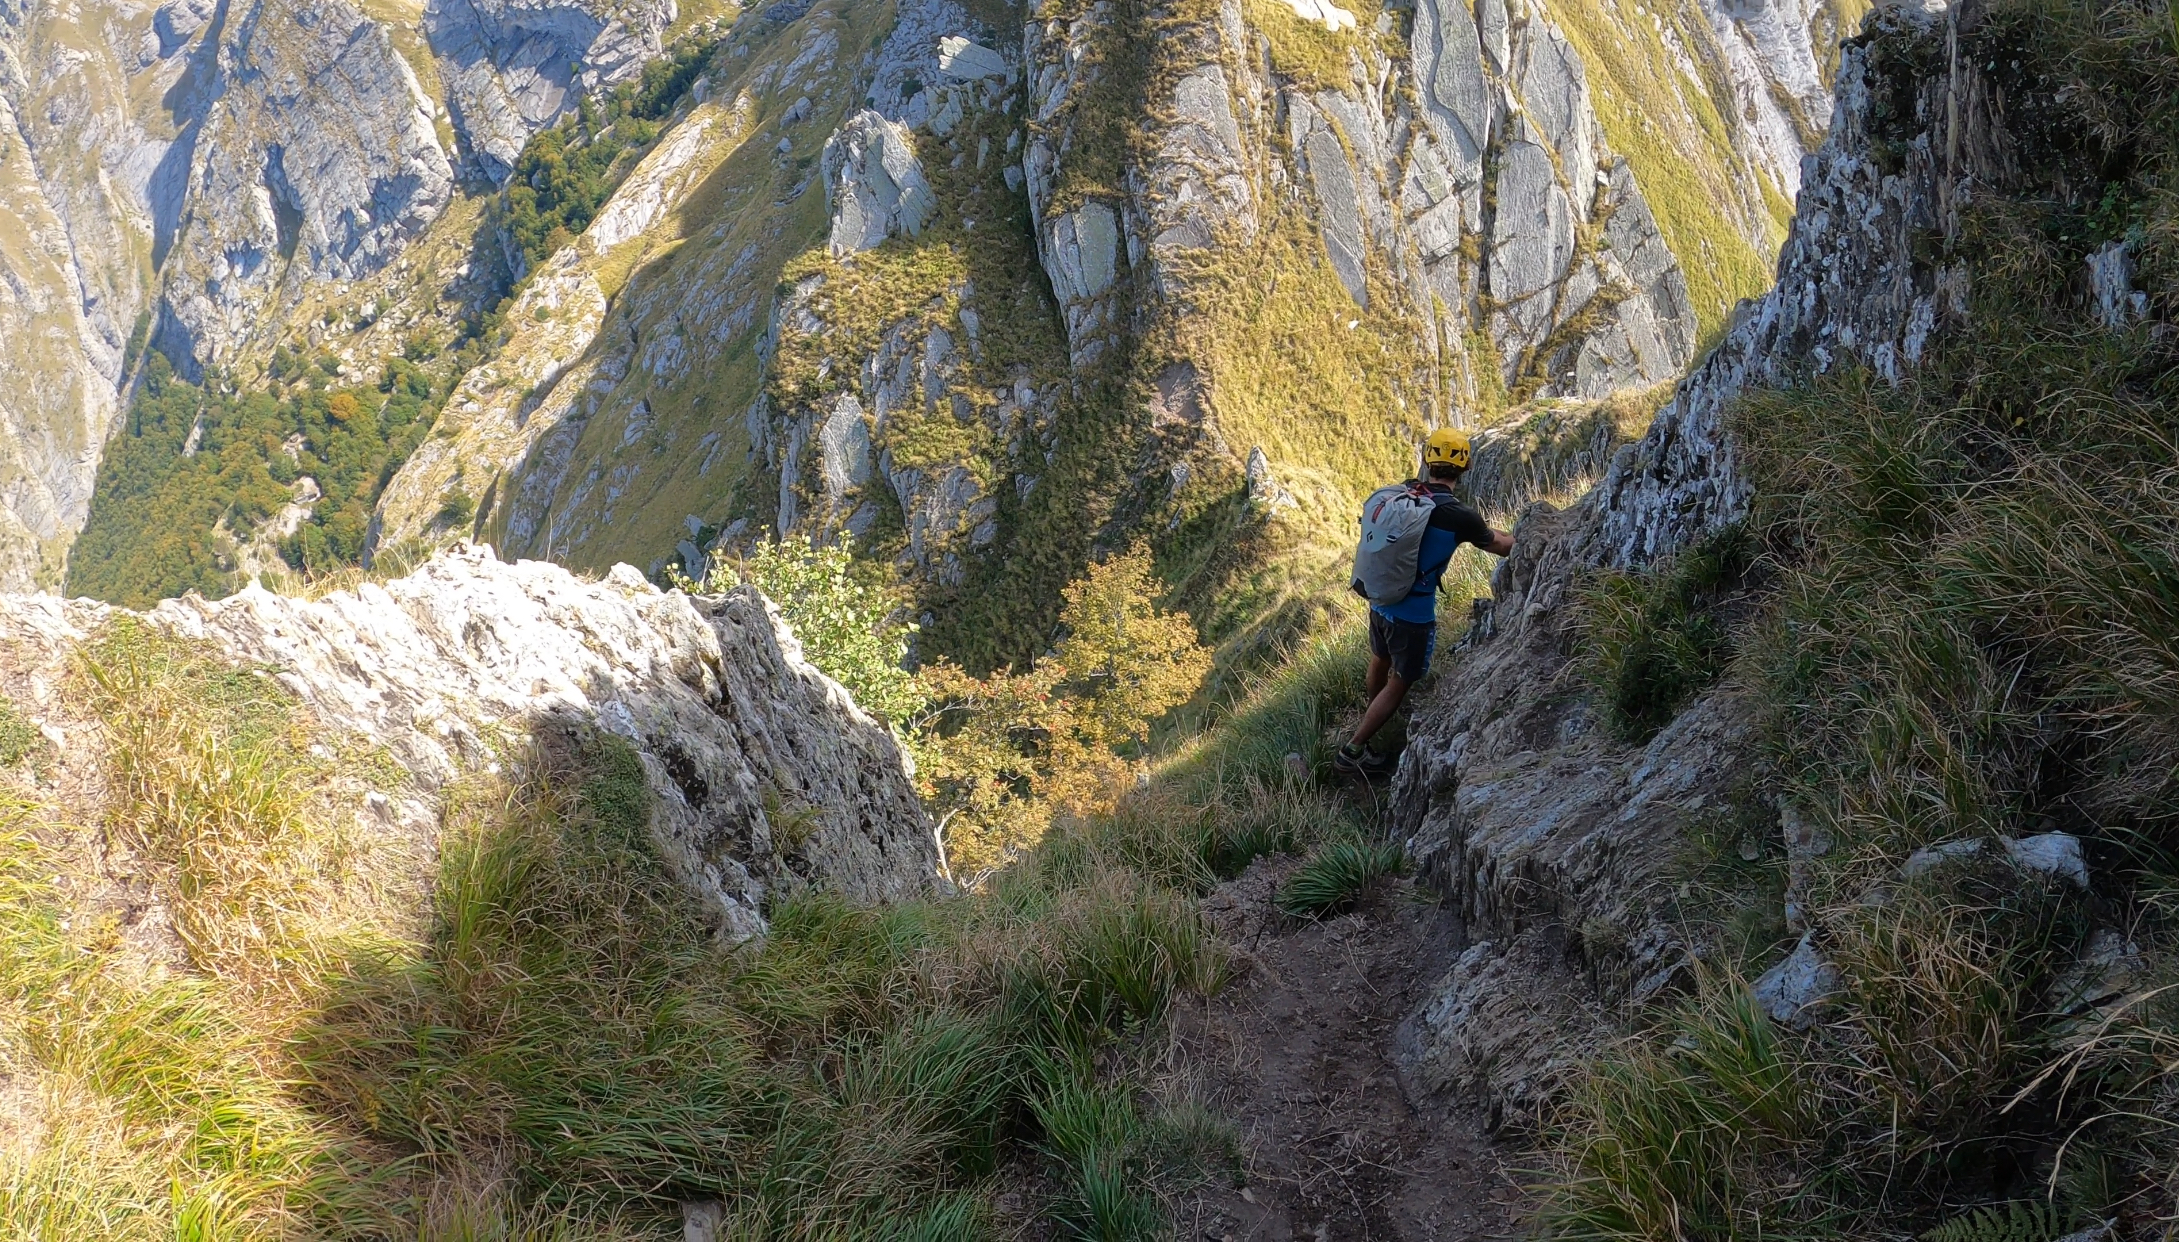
{"points": [[1560, 843], [766, 779]]}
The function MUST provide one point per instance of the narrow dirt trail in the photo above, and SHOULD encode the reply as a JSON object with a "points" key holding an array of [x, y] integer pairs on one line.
{"points": [[1297, 1053]]}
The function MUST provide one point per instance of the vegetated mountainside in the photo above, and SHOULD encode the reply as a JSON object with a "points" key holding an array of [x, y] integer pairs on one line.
{"points": [[493, 902], [1191, 274], [341, 917], [1851, 678], [825, 271], [222, 180]]}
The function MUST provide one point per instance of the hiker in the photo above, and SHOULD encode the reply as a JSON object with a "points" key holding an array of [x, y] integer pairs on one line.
{"points": [[1409, 534]]}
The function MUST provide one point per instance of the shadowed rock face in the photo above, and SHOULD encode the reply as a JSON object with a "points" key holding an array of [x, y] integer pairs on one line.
{"points": [[765, 776], [317, 161], [1556, 841], [515, 66]]}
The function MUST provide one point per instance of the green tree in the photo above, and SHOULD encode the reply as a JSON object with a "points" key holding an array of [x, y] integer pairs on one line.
{"points": [[851, 630], [1006, 754]]}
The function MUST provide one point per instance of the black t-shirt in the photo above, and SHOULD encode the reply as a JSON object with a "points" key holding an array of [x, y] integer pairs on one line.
{"points": [[1466, 524]]}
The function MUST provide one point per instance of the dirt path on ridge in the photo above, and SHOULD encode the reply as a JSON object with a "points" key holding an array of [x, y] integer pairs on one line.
{"points": [[1297, 1053]]}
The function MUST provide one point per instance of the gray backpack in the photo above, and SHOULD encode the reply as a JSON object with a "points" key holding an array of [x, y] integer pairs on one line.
{"points": [[1393, 520]]}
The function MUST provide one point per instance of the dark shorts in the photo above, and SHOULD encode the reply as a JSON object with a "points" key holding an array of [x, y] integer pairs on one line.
{"points": [[1406, 644]]}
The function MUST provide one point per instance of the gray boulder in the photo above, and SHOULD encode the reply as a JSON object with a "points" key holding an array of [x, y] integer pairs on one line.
{"points": [[1085, 248], [2053, 854], [1793, 991], [844, 445], [2111, 281], [875, 183], [964, 61]]}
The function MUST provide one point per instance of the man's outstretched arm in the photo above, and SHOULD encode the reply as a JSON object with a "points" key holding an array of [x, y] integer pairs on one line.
{"points": [[1501, 542]]}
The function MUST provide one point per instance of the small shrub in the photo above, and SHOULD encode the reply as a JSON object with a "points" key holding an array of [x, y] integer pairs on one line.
{"points": [[456, 513], [18, 737], [1338, 876]]}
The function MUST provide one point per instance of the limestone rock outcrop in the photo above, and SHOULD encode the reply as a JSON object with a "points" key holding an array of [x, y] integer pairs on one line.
{"points": [[1554, 839], [513, 67], [874, 183], [1851, 289], [765, 776]]}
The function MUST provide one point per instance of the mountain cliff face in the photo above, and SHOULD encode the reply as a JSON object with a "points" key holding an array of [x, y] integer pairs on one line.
{"points": [[1559, 842], [1567, 846], [1157, 272], [210, 176], [987, 290]]}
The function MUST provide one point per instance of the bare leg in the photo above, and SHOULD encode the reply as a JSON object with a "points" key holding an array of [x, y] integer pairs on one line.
{"points": [[1379, 669], [1381, 705]]}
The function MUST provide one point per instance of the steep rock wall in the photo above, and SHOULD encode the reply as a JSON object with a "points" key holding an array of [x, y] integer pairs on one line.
{"points": [[1556, 841], [317, 160], [765, 776], [515, 66], [82, 175]]}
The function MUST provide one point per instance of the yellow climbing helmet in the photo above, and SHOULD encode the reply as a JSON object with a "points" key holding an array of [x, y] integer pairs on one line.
{"points": [[1447, 446]]}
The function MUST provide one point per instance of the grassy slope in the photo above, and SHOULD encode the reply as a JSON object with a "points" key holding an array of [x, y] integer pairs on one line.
{"points": [[1965, 633], [552, 1045]]}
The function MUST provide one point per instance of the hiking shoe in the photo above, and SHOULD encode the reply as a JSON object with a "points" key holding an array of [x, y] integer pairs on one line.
{"points": [[1363, 762]]}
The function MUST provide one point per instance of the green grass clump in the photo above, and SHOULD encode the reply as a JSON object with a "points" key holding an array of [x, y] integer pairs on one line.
{"points": [[1653, 638], [18, 737], [1116, 1158], [1338, 875]]}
